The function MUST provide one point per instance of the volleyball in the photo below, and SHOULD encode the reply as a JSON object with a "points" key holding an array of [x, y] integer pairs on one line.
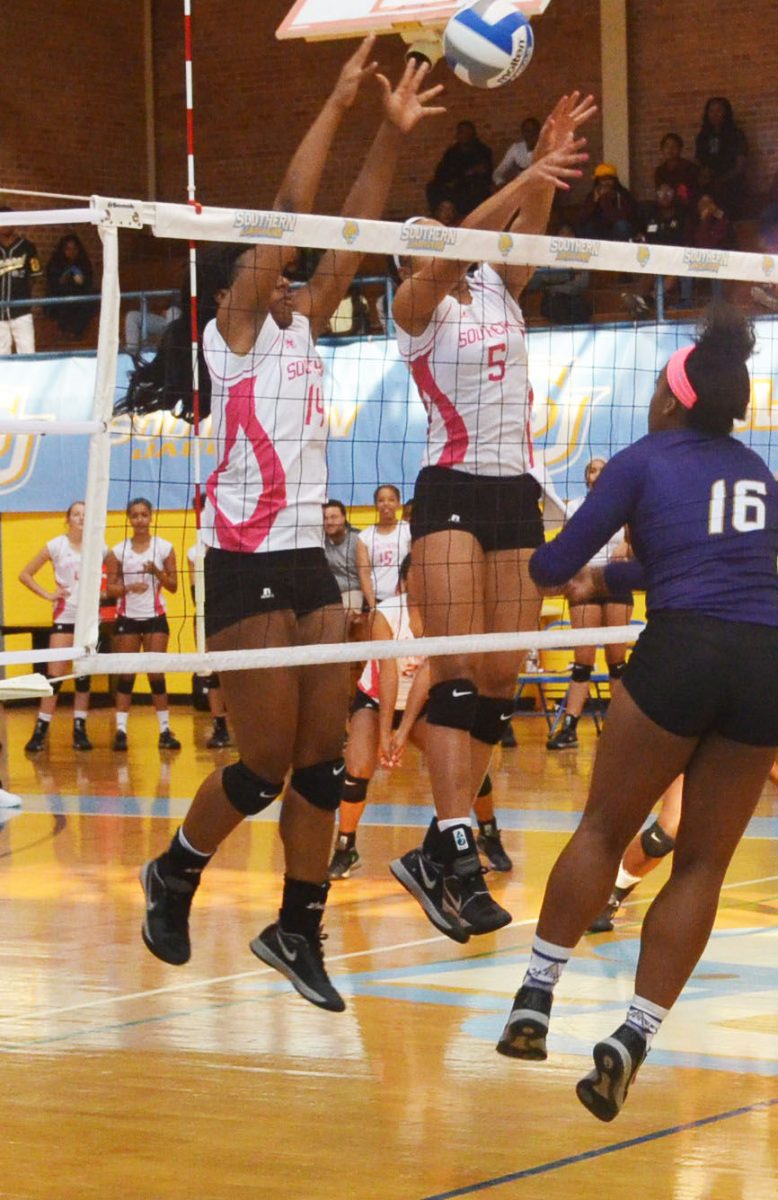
{"points": [[488, 43]]}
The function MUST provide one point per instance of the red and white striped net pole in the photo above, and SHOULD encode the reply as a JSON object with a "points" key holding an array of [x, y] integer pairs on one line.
{"points": [[191, 193]]}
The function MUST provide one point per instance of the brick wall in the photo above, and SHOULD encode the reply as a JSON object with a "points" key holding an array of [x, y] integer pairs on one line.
{"points": [[74, 113], [71, 97]]}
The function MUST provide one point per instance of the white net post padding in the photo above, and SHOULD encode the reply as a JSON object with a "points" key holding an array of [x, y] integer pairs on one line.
{"points": [[88, 610]]}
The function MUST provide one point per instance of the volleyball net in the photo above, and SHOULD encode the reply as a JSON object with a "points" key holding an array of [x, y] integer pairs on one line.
{"points": [[591, 387]]}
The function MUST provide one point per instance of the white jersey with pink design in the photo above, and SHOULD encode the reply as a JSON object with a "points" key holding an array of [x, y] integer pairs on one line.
{"points": [[270, 429], [141, 606], [386, 552], [470, 368], [395, 611], [66, 561]]}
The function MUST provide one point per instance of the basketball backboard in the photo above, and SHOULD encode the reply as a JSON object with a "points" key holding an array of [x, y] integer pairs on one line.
{"points": [[318, 19]]}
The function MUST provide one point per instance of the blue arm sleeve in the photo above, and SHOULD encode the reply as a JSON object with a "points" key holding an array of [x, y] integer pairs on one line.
{"points": [[605, 510], [625, 575]]}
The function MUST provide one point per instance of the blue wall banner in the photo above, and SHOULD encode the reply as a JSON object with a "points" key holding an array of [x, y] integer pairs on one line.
{"points": [[591, 386]]}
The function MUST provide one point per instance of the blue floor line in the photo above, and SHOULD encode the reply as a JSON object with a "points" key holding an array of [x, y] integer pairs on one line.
{"points": [[573, 1159]]}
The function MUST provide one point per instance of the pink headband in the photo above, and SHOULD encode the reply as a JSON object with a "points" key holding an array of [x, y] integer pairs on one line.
{"points": [[678, 380]]}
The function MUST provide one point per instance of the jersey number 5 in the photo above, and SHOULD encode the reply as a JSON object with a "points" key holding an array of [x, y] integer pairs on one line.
{"points": [[748, 507], [497, 352]]}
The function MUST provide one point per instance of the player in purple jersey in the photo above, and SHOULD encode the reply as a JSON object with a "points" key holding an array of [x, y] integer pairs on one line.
{"points": [[698, 693], [267, 582]]}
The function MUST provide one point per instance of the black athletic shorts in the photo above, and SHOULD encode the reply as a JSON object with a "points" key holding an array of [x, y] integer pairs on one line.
{"points": [[150, 625], [693, 674], [362, 700], [62, 627], [238, 585], [502, 513]]}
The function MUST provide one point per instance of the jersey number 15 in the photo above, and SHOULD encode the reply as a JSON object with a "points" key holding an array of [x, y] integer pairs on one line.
{"points": [[748, 507]]}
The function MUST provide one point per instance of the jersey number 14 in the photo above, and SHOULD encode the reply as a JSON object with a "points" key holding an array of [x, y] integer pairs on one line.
{"points": [[748, 507]]}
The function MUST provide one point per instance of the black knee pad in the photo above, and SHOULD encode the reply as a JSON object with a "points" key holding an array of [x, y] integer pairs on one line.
{"points": [[83, 683], [655, 842], [248, 792], [321, 784], [354, 789], [486, 787], [580, 673], [616, 670], [492, 718], [157, 686], [453, 703], [212, 682], [125, 684], [55, 684]]}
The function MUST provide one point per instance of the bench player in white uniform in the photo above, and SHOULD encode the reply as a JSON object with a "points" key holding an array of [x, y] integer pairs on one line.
{"points": [[64, 554], [382, 547], [381, 705], [267, 581], [220, 735], [475, 516], [602, 610], [139, 568]]}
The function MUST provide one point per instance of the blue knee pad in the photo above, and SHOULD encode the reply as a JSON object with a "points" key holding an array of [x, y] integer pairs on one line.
{"points": [[453, 704], [248, 792], [321, 784]]}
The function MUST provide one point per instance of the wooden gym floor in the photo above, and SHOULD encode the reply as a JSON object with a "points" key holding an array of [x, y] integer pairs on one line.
{"points": [[125, 1077]]}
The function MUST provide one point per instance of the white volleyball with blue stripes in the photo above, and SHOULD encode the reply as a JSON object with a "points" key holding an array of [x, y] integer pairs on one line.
{"points": [[488, 43]]}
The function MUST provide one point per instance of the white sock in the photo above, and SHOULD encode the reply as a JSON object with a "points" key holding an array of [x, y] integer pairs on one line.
{"points": [[163, 716], [452, 822], [46, 717], [625, 880], [645, 1017], [121, 721], [546, 964], [188, 845]]}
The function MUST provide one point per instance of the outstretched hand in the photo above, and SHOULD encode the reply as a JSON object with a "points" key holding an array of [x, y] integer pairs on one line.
{"points": [[565, 119], [353, 73], [559, 165], [407, 105]]}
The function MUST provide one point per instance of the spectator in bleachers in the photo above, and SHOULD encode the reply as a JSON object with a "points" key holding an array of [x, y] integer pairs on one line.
{"points": [[69, 273], [609, 212], [19, 265], [681, 173], [712, 229], [464, 173], [664, 222], [519, 155], [563, 300], [136, 338], [721, 150]]}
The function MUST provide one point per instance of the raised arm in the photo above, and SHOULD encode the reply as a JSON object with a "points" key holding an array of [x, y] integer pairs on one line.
{"points": [[404, 107], [245, 305], [558, 147]]}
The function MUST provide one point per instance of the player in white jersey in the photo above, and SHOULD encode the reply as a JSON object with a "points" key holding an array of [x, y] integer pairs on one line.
{"points": [[476, 516], [382, 547], [64, 554], [138, 569], [267, 582], [385, 702], [602, 610], [219, 737]]}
